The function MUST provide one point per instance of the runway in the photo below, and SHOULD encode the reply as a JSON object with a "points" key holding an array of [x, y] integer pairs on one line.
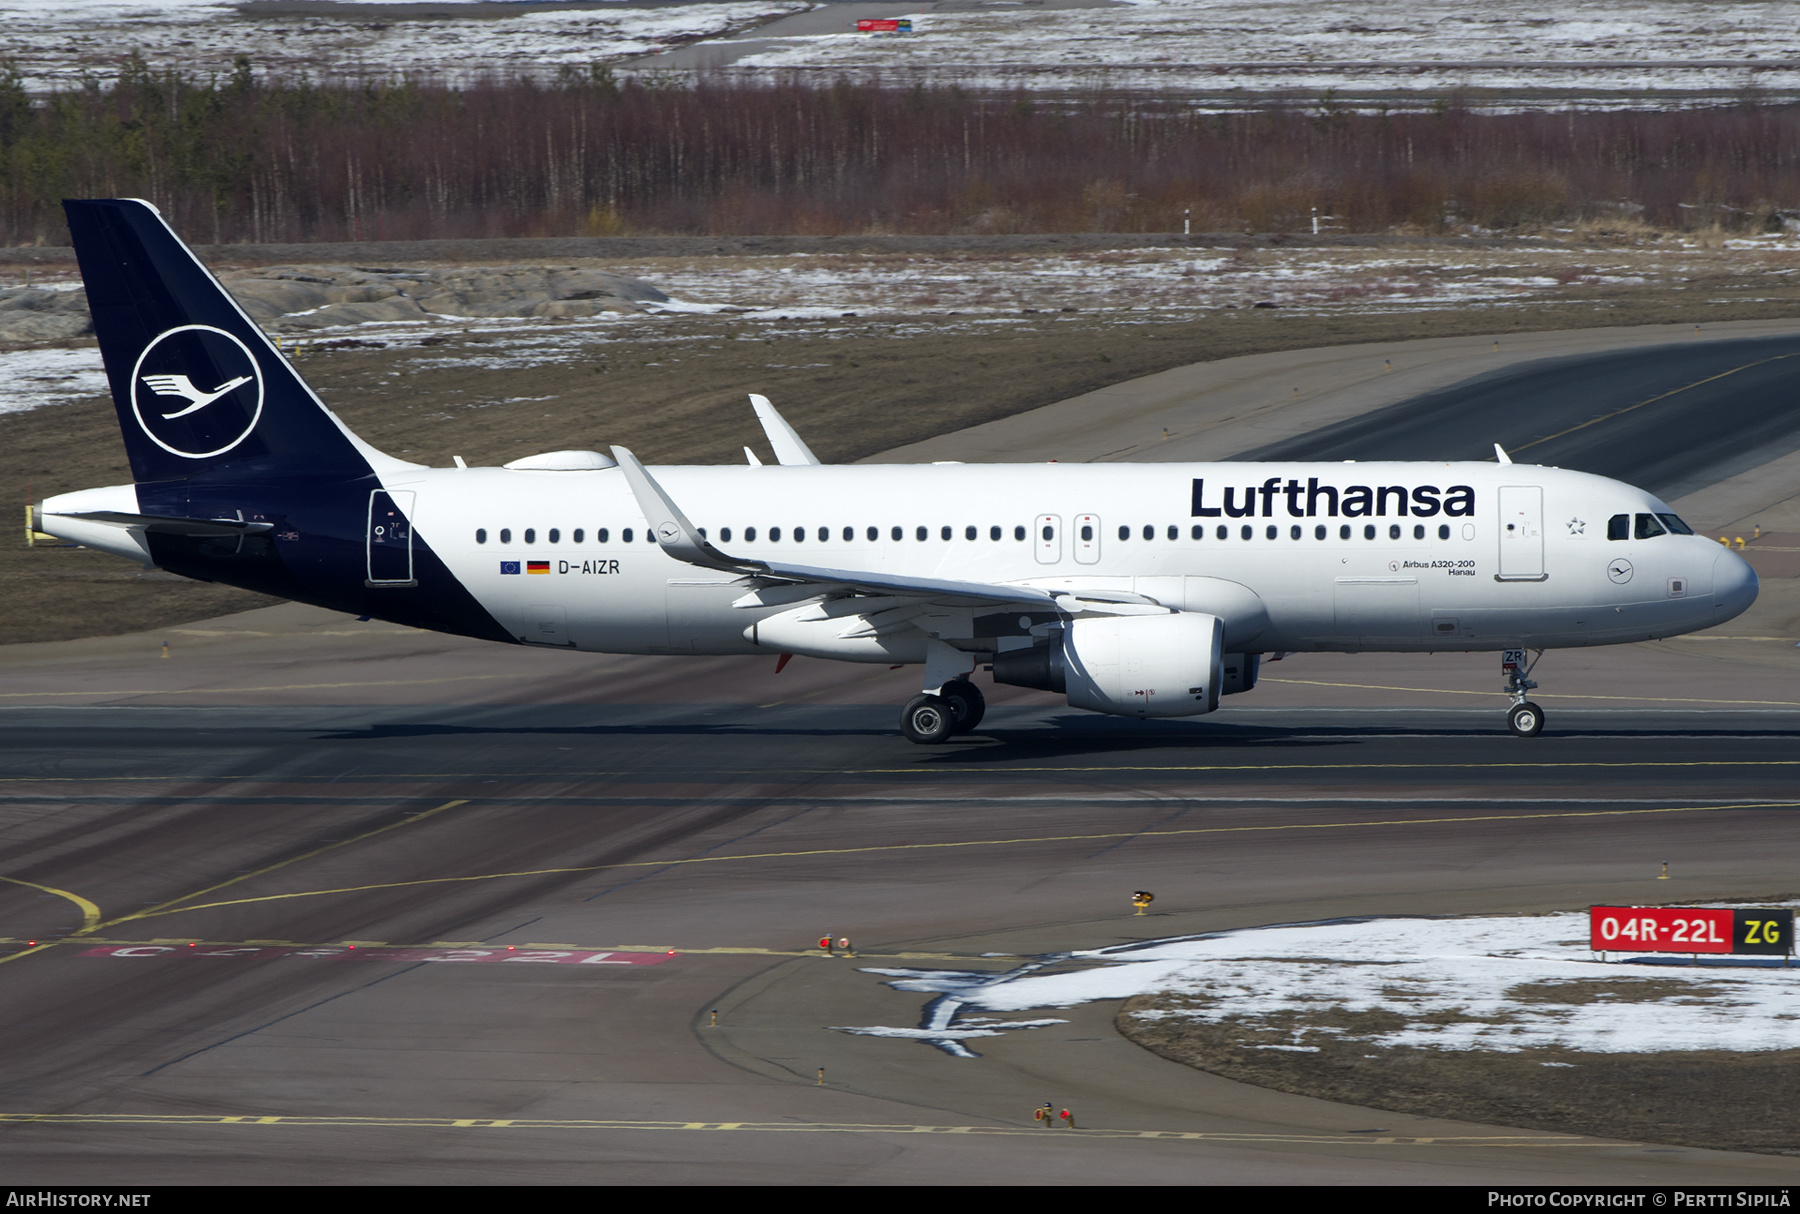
{"points": [[322, 901], [273, 838]]}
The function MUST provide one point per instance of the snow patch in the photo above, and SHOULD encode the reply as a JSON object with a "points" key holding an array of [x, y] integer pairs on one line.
{"points": [[31, 379], [1503, 983]]}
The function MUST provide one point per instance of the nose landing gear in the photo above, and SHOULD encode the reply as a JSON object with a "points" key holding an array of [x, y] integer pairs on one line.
{"points": [[1524, 719]]}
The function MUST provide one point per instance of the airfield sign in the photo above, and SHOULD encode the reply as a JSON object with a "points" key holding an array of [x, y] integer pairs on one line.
{"points": [[1690, 929]]}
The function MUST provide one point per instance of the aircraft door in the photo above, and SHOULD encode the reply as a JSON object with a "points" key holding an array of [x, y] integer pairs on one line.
{"points": [[390, 538], [1087, 538], [1047, 531], [1521, 533]]}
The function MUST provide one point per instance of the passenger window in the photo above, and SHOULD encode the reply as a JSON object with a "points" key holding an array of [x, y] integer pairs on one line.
{"points": [[1369, 531], [1319, 532], [1199, 532], [993, 533], [1248, 531], [1149, 532], [602, 535], [1393, 531], [874, 533], [555, 535], [945, 533], [1224, 532], [1443, 531], [724, 535], [799, 535], [1049, 532], [579, 533], [922, 535], [1344, 532], [749, 535], [1124, 533], [1418, 531], [1618, 527], [969, 532], [481, 535], [1174, 532], [1087, 533], [1294, 531], [825, 534], [897, 534], [1675, 525], [531, 532], [702, 532], [1648, 527], [1019, 533], [1272, 530], [624, 536]]}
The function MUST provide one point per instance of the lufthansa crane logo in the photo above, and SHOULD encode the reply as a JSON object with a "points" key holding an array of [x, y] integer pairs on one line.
{"points": [[196, 391]]}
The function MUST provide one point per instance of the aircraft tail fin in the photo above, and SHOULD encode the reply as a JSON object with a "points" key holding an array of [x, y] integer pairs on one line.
{"points": [[200, 389]]}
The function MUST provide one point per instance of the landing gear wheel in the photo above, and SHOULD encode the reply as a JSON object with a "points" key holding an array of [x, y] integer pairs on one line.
{"points": [[1525, 719], [927, 720], [966, 704]]}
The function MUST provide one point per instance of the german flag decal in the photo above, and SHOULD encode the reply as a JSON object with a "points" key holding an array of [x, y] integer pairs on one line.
{"points": [[537, 566]]}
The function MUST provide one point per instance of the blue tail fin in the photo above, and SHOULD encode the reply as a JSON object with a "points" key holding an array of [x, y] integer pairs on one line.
{"points": [[200, 390]]}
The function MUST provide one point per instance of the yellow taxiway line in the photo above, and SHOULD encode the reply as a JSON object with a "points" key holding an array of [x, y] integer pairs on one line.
{"points": [[1022, 840]]}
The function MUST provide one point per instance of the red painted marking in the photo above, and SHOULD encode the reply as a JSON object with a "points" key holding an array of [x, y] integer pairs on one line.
{"points": [[514, 954]]}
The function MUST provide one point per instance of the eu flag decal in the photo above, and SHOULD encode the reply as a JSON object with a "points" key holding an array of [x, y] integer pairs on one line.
{"points": [[537, 566], [509, 566]]}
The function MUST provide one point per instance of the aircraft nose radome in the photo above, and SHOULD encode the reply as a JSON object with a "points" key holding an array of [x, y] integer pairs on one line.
{"points": [[1734, 585]]}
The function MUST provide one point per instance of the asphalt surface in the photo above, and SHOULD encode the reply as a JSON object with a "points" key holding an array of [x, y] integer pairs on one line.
{"points": [[556, 868], [273, 838], [1671, 420]]}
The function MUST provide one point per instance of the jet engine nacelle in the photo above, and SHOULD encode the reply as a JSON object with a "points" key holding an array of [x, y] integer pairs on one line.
{"points": [[1130, 666]]}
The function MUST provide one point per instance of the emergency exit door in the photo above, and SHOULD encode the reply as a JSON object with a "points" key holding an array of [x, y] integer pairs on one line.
{"points": [[1521, 533], [1046, 534]]}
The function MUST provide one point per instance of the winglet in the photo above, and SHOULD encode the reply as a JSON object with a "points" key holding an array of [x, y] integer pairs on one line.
{"points": [[1501, 455], [788, 447], [751, 457], [670, 526]]}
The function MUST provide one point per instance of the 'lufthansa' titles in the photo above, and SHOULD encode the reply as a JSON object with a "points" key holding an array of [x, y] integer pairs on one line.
{"points": [[1312, 499]]}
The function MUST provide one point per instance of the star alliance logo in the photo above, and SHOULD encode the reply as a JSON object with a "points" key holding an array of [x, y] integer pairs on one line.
{"points": [[1577, 527], [197, 391]]}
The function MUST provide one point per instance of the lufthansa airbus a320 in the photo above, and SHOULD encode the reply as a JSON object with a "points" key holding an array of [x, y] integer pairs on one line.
{"points": [[1138, 590]]}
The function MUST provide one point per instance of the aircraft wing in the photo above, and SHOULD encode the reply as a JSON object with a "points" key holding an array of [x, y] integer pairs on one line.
{"points": [[681, 540], [789, 447]]}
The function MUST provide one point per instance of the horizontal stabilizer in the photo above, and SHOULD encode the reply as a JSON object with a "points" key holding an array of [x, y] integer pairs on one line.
{"points": [[165, 525]]}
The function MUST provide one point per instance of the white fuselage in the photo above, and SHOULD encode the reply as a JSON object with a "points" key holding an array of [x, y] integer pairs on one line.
{"points": [[1525, 562]]}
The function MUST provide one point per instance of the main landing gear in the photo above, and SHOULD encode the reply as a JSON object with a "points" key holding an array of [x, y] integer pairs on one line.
{"points": [[957, 708], [1524, 719]]}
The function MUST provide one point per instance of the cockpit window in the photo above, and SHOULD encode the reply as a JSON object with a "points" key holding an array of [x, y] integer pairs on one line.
{"points": [[1618, 527], [1647, 526], [1675, 525]]}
